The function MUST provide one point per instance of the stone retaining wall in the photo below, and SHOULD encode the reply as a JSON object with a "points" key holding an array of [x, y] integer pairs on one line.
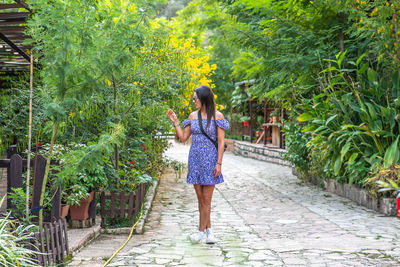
{"points": [[357, 194], [260, 152], [230, 144]]}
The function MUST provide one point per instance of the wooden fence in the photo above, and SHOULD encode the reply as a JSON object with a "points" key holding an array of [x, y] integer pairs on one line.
{"points": [[122, 204], [51, 243], [16, 165]]}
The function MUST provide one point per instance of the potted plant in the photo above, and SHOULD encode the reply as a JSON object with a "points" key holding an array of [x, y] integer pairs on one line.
{"points": [[79, 200], [72, 197], [245, 121], [81, 192], [79, 178]]}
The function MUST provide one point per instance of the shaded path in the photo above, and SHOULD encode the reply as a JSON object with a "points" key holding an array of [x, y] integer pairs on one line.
{"points": [[262, 215]]}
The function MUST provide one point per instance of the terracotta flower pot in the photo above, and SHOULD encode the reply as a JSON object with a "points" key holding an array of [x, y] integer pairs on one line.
{"points": [[81, 212], [64, 210]]}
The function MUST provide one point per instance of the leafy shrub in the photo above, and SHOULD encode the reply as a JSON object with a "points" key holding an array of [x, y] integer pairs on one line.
{"points": [[296, 146], [386, 177], [13, 241], [353, 123]]}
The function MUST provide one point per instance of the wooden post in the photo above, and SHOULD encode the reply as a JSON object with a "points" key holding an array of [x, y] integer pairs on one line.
{"points": [[113, 196], [14, 176], [103, 209], [11, 150], [131, 214], [122, 204], [137, 200], [265, 121], [56, 204], [39, 174], [92, 209]]}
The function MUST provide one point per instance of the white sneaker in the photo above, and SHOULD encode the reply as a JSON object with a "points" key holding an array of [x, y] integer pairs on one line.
{"points": [[210, 239], [197, 237]]}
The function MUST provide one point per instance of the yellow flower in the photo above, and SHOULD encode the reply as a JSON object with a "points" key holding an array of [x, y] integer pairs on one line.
{"points": [[107, 81], [72, 114], [135, 83]]}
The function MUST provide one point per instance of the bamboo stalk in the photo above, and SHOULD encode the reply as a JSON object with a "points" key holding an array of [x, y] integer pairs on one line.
{"points": [[29, 136], [47, 170]]}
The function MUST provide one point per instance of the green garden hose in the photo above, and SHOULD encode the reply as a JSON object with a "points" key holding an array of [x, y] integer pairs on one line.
{"points": [[126, 242], [129, 237]]}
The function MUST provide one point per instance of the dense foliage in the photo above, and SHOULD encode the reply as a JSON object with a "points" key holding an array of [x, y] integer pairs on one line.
{"points": [[109, 71], [335, 63]]}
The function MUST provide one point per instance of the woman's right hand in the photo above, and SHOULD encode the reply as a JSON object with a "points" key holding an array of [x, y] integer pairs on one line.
{"points": [[172, 116]]}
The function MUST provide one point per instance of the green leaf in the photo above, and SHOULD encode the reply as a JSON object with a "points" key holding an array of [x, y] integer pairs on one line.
{"points": [[393, 184], [55, 111], [372, 76], [331, 118], [305, 117], [382, 183], [355, 107], [344, 150], [372, 111], [353, 158], [337, 165], [363, 68], [329, 69], [392, 154], [340, 57], [360, 58]]}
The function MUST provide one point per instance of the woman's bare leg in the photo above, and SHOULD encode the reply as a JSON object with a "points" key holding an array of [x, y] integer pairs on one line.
{"points": [[199, 192], [207, 197]]}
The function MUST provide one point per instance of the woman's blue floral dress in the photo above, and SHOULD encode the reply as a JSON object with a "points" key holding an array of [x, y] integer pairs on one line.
{"points": [[203, 153]]}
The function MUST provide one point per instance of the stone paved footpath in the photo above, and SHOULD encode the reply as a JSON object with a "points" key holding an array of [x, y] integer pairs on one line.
{"points": [[262, 216]]}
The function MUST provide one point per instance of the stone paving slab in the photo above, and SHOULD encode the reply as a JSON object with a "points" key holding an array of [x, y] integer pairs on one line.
{"points": [[262, 216]]}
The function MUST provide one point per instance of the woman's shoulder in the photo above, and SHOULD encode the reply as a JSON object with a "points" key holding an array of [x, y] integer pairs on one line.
{"points": [[219, 115], [193, 116]]}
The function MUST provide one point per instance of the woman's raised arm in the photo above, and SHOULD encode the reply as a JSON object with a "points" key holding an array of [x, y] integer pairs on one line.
{"points": [[183, 135]]}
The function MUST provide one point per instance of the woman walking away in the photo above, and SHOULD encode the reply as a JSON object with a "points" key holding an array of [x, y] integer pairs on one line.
{"points": [[205, 157]]}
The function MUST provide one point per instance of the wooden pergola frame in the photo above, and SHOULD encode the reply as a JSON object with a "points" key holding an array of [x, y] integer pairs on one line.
{"points": [[267, 111], [14, 57]]}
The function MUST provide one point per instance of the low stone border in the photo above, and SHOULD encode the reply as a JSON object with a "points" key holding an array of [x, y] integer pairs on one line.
{"points": [[86, 237], [89, 234], [362, 197], [230, 144], [260, 152], [359, 195]]}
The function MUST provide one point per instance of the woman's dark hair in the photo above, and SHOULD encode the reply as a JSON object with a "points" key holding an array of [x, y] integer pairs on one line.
{"points": [[206, 97]]}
